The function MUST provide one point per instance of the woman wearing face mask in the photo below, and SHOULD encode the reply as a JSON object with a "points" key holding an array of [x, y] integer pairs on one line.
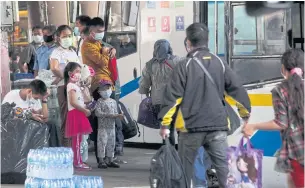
{"points": [[60, 57], [77, 123]]}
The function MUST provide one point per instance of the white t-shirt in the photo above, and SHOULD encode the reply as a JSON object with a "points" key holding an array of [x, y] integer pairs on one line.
{"points": [[64, 56], [79, 95], [14, 97]]}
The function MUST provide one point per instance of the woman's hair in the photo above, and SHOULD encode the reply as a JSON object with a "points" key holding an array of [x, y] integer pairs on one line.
{"points": [[252, 171], [294, 58], [62, 28]]}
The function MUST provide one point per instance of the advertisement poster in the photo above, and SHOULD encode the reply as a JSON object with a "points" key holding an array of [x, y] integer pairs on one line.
{"points": [[151, 4], [179, 23], [164, 4], [165, 24], [151, 24], [179, 4]]}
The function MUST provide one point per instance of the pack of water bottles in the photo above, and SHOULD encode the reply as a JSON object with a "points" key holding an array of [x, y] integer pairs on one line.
{"points": [[50, 163], [75, 182], [53, 168]]}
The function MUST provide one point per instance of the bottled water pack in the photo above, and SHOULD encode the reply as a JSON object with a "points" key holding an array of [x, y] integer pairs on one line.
{"points": [[75, 182], [50, 163]]}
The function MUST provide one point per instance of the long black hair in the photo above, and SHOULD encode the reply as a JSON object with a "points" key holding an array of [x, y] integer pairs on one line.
{"points": [[294, 58], [69, 68]]}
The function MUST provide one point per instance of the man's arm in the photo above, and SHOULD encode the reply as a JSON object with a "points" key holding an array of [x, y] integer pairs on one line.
{"points": [[173, 94], [36, 67], [93, 53], [25, 57], [235, 89]]}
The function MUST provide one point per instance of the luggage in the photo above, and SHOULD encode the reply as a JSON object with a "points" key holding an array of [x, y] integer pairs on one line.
{"points": [[245, 166], [147, 116], [18, 136], [130, 126], [166, 169]]}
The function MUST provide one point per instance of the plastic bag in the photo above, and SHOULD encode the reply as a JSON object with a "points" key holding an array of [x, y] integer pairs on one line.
{"points": [[166, 169], [18, 136], [146, 115], [245, 166]]}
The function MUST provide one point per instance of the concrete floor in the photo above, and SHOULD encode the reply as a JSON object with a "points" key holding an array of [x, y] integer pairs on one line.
{"points": [[133, 174]]}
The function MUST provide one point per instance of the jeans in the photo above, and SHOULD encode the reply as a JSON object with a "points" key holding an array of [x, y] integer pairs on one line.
{"points": [[214, 143]]}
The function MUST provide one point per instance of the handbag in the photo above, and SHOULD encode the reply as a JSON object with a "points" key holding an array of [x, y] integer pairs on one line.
{"points": [[234, 120]]}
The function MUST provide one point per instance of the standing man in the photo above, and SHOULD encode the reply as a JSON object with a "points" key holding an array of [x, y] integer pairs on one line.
{"points": [[201, 116], [96, 54], [81, 31], [43, 53], [28, 56]]}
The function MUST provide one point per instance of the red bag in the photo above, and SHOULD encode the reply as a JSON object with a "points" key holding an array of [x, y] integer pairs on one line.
{"points": [[113, 69]]}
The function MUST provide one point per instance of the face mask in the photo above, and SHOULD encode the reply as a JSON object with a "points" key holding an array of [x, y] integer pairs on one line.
{"points": [[99, 36], [76, 31], [106, 94], [47, 38], [38, 39], [66, 42], [75, 77]]}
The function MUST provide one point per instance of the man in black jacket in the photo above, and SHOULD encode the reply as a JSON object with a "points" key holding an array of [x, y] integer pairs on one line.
{"points": [[201, 115]]}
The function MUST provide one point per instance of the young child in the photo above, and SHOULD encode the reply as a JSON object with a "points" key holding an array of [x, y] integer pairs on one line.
{"points": [[77, 123], [106, 112], [288, 104]]}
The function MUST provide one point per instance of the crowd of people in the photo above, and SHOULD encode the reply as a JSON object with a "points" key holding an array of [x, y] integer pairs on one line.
{"points": [[183, 98]]}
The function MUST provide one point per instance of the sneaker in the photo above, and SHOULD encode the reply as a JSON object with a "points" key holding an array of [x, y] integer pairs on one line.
{"points": [[113, 165], [102, 165], [82, 167], [119, 161]]}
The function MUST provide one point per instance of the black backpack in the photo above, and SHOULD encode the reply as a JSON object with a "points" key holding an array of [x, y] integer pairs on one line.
{"points": [[130, 126]]}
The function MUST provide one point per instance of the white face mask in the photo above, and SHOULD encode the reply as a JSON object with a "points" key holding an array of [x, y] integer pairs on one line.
{"points": [[99, 36], [38, 38], [106, 94]]}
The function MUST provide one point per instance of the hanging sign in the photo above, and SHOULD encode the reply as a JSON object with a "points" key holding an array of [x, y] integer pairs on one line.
{"points": [[165, 24], [151, 24], [179, 4], [179, 23]]}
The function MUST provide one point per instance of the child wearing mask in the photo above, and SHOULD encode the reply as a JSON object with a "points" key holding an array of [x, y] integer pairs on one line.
{"points": [[106, 112], [77, 123]]}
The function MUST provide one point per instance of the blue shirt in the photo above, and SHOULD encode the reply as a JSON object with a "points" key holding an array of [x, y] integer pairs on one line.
{"points": [[43, 56]]}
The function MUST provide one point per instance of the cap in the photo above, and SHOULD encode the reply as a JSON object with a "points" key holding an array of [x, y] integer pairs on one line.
{"points": [[105, 82]]}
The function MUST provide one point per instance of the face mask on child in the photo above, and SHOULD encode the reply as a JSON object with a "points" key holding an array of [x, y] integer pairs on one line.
{"points": [[75, 77], [106, 94]]}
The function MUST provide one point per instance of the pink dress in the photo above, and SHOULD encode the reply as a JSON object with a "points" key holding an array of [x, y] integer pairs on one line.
{"points": [[77, 123]]}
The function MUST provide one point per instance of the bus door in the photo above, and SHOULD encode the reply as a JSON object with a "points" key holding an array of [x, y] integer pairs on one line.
{"points": [[254, 45]]}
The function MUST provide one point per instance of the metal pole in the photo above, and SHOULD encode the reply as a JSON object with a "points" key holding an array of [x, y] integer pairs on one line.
{"points": [[216, 26]]}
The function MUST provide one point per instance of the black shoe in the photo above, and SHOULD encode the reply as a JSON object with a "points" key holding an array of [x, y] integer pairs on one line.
{"points": [[113, 165], [102, 165]]}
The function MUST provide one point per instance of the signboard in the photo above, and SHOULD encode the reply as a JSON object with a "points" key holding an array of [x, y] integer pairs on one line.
{"points": [[6, 13], [165, 24], [151, 4], [179, 23], [151, 24], [164, 4], [179, 4]]}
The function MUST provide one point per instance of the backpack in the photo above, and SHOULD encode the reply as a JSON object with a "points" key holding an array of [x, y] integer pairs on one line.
{"points": [[166, 170], [130, 126]]}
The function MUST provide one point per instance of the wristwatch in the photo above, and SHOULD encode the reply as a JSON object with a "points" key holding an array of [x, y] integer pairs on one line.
{"points": [[44, 101]]}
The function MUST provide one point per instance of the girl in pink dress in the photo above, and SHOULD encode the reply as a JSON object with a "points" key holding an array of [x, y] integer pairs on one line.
{"points": [[77, 123]]}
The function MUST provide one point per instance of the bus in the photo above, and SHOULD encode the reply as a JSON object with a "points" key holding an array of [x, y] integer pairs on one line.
{"points": [[251, 45]]}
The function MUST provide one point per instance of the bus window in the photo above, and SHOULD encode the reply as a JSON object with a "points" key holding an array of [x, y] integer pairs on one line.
{"points": [[121, 26], [264, 35]]}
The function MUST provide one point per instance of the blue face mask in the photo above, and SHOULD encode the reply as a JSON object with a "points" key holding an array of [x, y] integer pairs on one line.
{"points": [[76, 31], [99, 36]]}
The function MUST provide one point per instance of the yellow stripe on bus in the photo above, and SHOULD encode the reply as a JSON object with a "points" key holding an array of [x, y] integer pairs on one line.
{"points": [[256, 100]]}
